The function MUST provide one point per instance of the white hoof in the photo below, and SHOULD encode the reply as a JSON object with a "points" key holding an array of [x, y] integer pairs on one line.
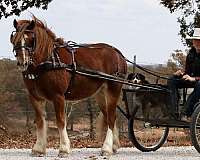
{"points": [[63, 154], [35, 153]]}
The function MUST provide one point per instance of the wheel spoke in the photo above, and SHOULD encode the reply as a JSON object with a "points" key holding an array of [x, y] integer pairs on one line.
{"points": [[146, 135]]}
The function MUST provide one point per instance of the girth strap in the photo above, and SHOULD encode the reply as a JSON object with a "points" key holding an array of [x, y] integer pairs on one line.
{"points": [[73, 73]]}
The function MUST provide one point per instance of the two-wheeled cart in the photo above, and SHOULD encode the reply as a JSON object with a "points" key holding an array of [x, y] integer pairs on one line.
{"points": [[149, 133]]}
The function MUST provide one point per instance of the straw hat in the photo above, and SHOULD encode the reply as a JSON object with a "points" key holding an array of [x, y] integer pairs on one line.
{"points": [[196, 34]]}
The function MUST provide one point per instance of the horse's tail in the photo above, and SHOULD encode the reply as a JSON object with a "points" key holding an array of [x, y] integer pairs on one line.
{"points": [[100, 126]]}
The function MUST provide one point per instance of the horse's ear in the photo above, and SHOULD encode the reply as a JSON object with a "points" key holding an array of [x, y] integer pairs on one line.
{"points": [[31, 25], [15, 23]]}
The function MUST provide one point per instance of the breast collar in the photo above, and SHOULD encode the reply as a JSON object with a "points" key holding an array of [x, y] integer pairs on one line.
{"points": [[52, 63]]}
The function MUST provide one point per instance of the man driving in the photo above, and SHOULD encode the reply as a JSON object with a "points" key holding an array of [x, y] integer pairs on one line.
{"points": [[190, 78]]}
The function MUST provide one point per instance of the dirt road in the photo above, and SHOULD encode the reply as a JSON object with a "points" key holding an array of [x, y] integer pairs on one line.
{"points": [[164, 153]]}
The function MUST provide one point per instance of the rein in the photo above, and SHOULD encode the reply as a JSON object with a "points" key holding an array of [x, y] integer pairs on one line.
{"points": [[48, 65], [154, 73], [151, 72], [56, 64], [53, 62]]}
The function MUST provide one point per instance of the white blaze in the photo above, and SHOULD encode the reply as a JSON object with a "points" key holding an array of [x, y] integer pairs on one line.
{"points": [[23, 49]]}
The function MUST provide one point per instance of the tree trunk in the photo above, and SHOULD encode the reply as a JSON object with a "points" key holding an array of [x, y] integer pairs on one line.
{"points": [[72, 123], [91, 116], [27, 117]]}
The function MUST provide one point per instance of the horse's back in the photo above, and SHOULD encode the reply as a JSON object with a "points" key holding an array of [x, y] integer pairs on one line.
{"points": [[101, 57]]}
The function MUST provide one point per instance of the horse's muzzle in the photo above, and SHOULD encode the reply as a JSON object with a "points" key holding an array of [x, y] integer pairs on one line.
{"points": [[20, 64], [22, 67]]}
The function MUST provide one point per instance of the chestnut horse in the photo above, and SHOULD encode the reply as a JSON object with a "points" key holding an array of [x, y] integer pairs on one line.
{"points": [[34, 44]]}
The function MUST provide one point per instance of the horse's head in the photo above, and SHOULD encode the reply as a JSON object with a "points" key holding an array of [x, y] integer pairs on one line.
{"points": [[23, 40], [33, 43]]}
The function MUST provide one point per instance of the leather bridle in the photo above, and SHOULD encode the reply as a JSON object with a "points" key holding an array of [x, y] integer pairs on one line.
{"points": [[29, 48]]}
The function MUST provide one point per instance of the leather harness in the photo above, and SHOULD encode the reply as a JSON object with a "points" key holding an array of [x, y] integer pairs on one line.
{"points": [[54, 63]]}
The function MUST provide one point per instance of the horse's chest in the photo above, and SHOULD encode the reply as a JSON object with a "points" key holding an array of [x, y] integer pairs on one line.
{"points": [[40, 89], [33, 88]]}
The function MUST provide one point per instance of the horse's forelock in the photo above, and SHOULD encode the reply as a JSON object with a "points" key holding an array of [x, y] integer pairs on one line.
{"points": [[20, 31]]}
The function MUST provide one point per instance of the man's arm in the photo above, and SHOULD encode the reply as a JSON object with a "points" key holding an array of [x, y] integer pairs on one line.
{"points": [[189, 78], [197, 78], [187, 65]]}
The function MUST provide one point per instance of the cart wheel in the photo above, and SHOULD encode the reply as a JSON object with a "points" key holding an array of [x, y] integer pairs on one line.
{"points": [[144, 136], [195, 128]]}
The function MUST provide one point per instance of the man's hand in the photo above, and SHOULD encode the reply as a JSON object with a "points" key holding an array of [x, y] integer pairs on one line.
{"points": [[188, 78], [178, 73]]}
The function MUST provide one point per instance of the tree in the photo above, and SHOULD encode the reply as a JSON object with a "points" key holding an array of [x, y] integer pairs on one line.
{"points": [[91, 106], [189, 18], [15, 7], [177, 61]]}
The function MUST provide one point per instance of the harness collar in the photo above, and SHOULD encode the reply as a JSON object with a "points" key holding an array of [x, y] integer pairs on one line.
{"points": [[30, 76], [53, 63]]}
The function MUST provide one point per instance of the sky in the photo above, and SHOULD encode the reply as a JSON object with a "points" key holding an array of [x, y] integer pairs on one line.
{"points": [[136, 27]]}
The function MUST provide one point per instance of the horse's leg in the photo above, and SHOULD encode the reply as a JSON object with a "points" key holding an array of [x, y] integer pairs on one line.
{"points": [[59, 105], [107, 148], [100, 128], [39, 148], [108, 102], [116, 143]]}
